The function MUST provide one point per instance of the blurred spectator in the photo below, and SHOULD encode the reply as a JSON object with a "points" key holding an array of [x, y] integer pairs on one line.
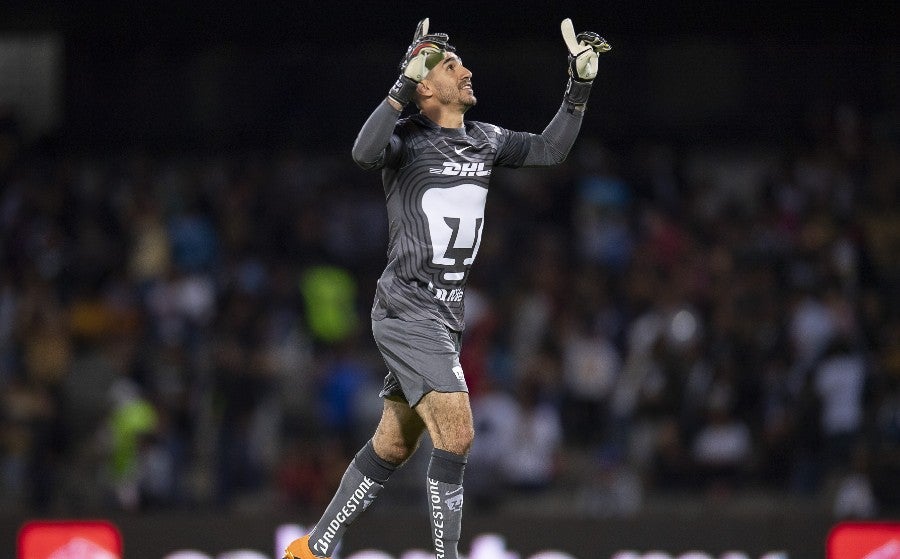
{"points": [[535, 308], [194, 238], [329, 294], [180, 307], [854, 497], [531, 462], [601, 211], [344, 381], [840, 382], [722, 449], [132, 424], [591, 367], [494, 413], [242, 391], [151, 251], [777, 423], [673, 466], [812, 327], [31, 440]]}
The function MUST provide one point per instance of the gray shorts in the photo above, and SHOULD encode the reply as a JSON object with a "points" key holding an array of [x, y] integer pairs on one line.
{"points": [[421, 356]]}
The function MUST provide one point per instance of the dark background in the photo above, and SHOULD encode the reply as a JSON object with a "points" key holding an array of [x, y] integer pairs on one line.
{"points": [[213, 74]]}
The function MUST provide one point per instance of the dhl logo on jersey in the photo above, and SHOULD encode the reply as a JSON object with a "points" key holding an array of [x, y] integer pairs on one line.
{"points": [[461, 170]]}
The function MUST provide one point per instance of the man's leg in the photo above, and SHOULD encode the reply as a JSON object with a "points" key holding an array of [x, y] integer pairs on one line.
{"points": [[396, 438], [448, 418]]}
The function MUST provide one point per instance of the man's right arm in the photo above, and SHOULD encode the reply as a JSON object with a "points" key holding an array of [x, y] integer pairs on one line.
{"points": [[375, 135], [425, 51]]}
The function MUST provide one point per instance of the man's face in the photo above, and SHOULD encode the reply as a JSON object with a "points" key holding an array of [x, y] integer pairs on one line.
{"points": [[452, 82]]}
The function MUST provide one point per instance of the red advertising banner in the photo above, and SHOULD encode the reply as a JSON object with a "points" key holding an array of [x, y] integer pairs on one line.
{"points": [[864, 540], [65, 539]]}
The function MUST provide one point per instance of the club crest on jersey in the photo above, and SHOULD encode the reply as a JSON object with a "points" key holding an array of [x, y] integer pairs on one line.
{"points": [[452, 169]]}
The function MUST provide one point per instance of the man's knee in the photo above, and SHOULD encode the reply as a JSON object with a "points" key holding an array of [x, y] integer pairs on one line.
{"points": [[462, 440], [458, 436], [398, 433], [395, 450], [448, 417]]}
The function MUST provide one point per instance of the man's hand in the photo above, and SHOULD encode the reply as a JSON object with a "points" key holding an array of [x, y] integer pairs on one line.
{"points": [[423, 54], [584, 49]]}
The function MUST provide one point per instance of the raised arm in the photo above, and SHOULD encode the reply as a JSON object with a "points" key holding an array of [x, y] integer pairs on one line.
{"points": [[369, 148], [425, 51], [551, 146]]}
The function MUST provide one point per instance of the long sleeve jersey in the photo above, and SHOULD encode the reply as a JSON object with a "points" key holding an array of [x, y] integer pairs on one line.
{"points": [[436, 182]]}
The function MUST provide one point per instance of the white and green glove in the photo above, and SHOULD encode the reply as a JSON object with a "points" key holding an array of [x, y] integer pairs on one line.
{"points": [[584, 50], [423, 54]]}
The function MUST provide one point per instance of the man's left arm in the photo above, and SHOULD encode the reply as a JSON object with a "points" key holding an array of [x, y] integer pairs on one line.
{"points": [[552, 146]]}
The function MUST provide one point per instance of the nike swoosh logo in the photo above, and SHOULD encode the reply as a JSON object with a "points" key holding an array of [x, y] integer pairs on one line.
{"points": [[459, 151]]}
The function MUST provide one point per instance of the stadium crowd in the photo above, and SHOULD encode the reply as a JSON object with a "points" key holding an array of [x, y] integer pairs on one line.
{"points": [[192, 330]]}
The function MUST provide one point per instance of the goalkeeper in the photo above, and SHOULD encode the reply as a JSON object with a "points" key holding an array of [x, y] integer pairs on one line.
{"points": [[435, 167]]}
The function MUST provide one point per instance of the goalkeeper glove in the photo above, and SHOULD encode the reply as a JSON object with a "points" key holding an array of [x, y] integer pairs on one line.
{"points": [[584, 50], [423, 54]]}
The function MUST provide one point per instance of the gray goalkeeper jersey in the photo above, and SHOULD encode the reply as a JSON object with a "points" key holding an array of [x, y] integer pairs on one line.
{"points": [[436, 185]]}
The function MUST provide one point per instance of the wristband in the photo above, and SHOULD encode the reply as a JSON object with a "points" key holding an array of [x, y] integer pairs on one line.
{"points": [[577, 93], [402, 90]]}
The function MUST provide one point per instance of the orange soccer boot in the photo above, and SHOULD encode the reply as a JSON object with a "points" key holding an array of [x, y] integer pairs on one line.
{"points": [[299, 549]]}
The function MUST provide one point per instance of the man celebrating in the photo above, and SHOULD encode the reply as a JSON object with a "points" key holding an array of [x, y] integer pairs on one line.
{"points": [[435, 167]]}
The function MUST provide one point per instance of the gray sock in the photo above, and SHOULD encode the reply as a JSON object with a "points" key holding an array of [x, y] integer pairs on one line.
{"points": [[445, 499], [364, 478]]}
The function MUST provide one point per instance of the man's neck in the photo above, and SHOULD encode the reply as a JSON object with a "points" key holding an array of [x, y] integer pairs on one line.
{"points": [[445, 119]]}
